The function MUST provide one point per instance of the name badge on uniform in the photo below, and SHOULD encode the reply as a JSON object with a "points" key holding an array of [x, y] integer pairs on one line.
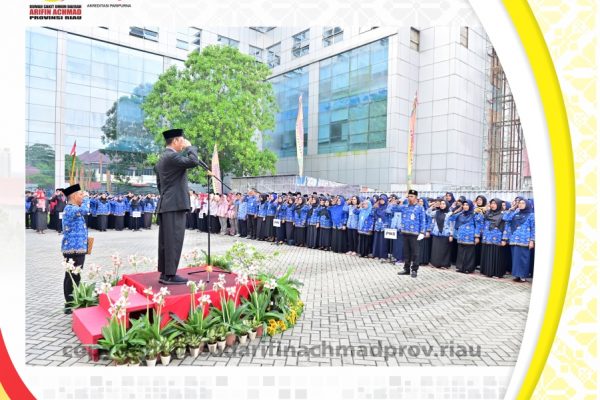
{"points": [[390, 234], [136, 214], [60, 215], [200, 216], [412, 217], [276, 223]]}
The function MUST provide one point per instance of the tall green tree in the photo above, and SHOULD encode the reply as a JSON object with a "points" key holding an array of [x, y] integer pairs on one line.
{"points": [[221, 96], [39, 159]]}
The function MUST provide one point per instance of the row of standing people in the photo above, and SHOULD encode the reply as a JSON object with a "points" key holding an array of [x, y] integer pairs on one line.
{"points": [[497, 236], [106, 211]]}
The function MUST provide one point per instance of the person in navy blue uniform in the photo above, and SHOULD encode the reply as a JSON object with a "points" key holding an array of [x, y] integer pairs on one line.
{"points": [[261, 217], [352, 208], [494, 253], [519, 232], [425, 244], [148, 209], [382, 222], [252, 210], [324, 226], [441, 231], [74, 244], [467, 232], [339, 217], [365, 228], [171, 179], [289, 219], [413, 226], [271, 210], [102, 212], [300, 217], [312, 238]]}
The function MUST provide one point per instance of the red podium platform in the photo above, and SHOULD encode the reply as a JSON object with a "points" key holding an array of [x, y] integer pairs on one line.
{"points": [[88, 322]]}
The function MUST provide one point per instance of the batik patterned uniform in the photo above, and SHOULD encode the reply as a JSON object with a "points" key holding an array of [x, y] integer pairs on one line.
{"points": [[75, 230]]}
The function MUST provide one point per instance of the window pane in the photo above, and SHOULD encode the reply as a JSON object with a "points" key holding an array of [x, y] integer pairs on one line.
{"points": [[42, 97]]}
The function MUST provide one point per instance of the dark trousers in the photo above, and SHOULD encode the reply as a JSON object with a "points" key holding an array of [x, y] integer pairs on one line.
{"points": [[242, 227], [411, 252], [252, 226], [171, 231], [79, 260]]}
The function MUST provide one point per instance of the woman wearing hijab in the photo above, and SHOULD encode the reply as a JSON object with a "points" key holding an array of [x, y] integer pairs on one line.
{"points": [[382, 222], [467, 230], [40, 207], [425, 244], [312, 233], [481, 206], [494, 254], [102, 211], [290, 212], [520, 233], [352, 209], [300, 217], [280, 215], [365, 228], [231, 215], [441, 235], [339, 216], [324, 225]]}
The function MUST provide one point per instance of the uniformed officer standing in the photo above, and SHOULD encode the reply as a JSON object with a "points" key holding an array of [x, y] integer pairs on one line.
{"points": [[174, 203]]}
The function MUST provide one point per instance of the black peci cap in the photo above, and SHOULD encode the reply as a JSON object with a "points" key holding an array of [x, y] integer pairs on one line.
{"points": [[172, 133], [71, 189], [413, 191]]}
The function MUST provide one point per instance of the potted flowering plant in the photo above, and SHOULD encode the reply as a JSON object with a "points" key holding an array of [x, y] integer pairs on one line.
{"points": [[194, 343], [180, 347], [211, 338], [135, 354], [242, 330], [84, 293], [166, 347], [152, 351], [221, 333]]}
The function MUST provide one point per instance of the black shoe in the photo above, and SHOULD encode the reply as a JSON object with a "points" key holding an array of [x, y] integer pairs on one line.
{"points": [[173, 280], [413, 273], [404, 272], [162, 277]]}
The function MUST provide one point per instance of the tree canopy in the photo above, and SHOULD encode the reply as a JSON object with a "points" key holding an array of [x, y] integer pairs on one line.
{"points": [[221, 96]]}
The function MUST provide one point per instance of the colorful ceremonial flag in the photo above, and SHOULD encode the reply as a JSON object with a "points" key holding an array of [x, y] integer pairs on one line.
{"points": [[411, 142], [216, 170], [73, 154], [300, 137]]}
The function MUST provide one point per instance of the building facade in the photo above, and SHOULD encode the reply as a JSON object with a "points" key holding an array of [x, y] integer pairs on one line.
{"points": [[357, 87]]}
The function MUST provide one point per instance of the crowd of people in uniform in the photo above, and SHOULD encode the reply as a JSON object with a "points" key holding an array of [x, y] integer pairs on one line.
{"points": [[496, 236], [122, 211]]}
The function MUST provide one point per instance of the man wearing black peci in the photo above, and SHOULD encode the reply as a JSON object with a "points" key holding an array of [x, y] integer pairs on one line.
{"points": [[174, 203]]}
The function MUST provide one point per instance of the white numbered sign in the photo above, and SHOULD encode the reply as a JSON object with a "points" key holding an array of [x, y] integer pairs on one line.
{"points": [[390, 234], [60, 215], [277, 223], [136, 214], [200, 216]]}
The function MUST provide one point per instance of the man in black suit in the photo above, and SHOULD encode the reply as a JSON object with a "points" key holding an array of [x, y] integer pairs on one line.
{"points": [[174, 203]]}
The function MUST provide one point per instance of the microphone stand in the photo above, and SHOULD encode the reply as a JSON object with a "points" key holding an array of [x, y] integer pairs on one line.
{"points": [[208, 209]]}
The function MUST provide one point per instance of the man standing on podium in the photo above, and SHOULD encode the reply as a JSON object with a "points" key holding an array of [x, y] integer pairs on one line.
{"points": [[171, 179]]}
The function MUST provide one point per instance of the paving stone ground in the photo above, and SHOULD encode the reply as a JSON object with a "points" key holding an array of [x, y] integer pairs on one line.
{"points": [[351, 303]]}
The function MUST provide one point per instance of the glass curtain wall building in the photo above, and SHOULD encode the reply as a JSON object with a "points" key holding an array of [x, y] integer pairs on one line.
{"points": [[357, 86]]}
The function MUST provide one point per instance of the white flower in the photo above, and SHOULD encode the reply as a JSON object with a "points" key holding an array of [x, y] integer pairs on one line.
{"points": [[104, 287], [242, 279], [271, 284], [121, 314], [217, 286], [164, 291], [148, 291], [201, 285], [76, 270], [222, 278], [127, 290], [231, 291], [68, 265], [204, 299]]}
